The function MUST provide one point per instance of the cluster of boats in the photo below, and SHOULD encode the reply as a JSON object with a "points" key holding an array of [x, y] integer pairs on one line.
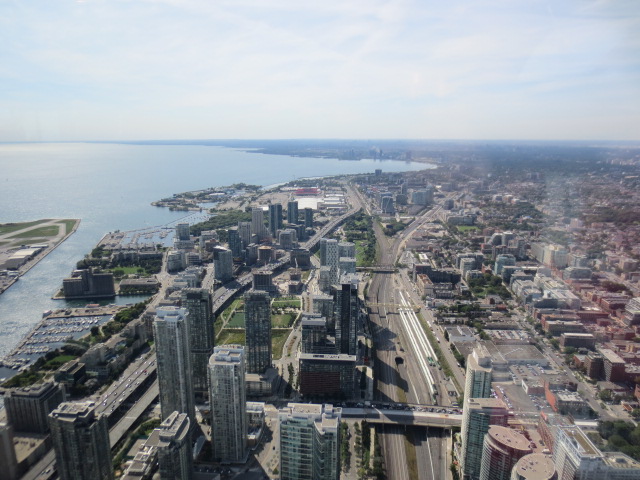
{"points": [[51, 330]]}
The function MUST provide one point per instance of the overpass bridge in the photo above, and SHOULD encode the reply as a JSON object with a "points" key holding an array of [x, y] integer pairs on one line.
{"points": [[378, 269], [404, 417]]}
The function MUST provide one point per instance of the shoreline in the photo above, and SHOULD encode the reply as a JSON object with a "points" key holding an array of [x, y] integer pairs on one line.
{"points": [[40, 256]]}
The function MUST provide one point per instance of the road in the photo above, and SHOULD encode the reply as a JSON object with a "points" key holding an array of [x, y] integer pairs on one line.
{"points": [[116, 405]]}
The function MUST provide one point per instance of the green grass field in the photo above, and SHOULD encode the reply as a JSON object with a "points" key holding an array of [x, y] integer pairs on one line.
{"points": [[278, 338], [12, 227], [361, 259], [127, 270], [40, 232], [68, 225], [57, 362], [290, 303], [235, 305], [237, 320], [227, 337], [237, 336], [283, 321]]}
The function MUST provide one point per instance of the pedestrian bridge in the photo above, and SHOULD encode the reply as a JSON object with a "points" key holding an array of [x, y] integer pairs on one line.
{"points": [[404, 417]]}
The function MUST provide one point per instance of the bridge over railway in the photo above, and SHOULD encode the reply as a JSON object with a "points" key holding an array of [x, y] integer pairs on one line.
{"points": [[378, 269], [404, 417]]}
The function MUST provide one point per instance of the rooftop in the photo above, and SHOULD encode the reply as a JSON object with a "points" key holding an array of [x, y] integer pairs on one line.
{"points": [[509, 438], [535, 466], [610, 355], [580, 440], [621, 461]]}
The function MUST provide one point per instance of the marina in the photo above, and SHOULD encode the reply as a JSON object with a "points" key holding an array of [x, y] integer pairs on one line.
{"points": [[54, 330], [148, 237]]}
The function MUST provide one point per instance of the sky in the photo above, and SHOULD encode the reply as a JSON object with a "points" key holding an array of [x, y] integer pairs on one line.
{"points": [[239, 69]]}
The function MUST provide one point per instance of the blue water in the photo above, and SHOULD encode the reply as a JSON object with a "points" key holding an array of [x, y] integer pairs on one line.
{"points": [[110, 187]]}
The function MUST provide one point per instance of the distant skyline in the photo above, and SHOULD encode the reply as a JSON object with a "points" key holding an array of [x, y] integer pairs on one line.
{"points": [[241, 69]]}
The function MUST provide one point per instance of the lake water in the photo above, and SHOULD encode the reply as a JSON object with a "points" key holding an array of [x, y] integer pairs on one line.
{"points": [[110, 187]]}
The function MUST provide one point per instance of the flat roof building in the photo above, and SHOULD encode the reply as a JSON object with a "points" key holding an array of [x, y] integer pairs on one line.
{"points": [[28, 408], [309, 442], [81, 442], [327, 376]]}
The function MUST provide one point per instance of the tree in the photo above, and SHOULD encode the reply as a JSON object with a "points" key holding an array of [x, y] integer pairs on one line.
{"points": [[605, 395]]}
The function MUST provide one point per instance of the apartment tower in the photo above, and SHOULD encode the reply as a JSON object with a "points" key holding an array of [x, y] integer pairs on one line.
{"points": [[257, 315], [173, 353], [197, 302], [309, 442], [227, 395], [81, 441]]}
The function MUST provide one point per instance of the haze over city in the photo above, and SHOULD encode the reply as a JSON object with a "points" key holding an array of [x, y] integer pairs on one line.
{"points": [[93, 70]]}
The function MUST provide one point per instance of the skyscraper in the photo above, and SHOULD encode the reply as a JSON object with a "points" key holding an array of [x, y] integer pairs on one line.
{"points": [[182, 231], [235, 242], [81, 442], [197, 302], [323, 305], [477, 416], [257, 315], [331, 259], [28, 408], [308, 217], [327, 375], [479, 373], [292, 211], [275, 219], [244, 230], [347, 310], [501, 450], [309, 442], [175, 458], [346, 249], [173, 352], [227, 394], [222, 264], [257, 223], [313, 328]]}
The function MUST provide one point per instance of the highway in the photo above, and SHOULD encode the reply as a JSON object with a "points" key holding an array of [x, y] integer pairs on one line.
{"points": [[123, 403]]}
